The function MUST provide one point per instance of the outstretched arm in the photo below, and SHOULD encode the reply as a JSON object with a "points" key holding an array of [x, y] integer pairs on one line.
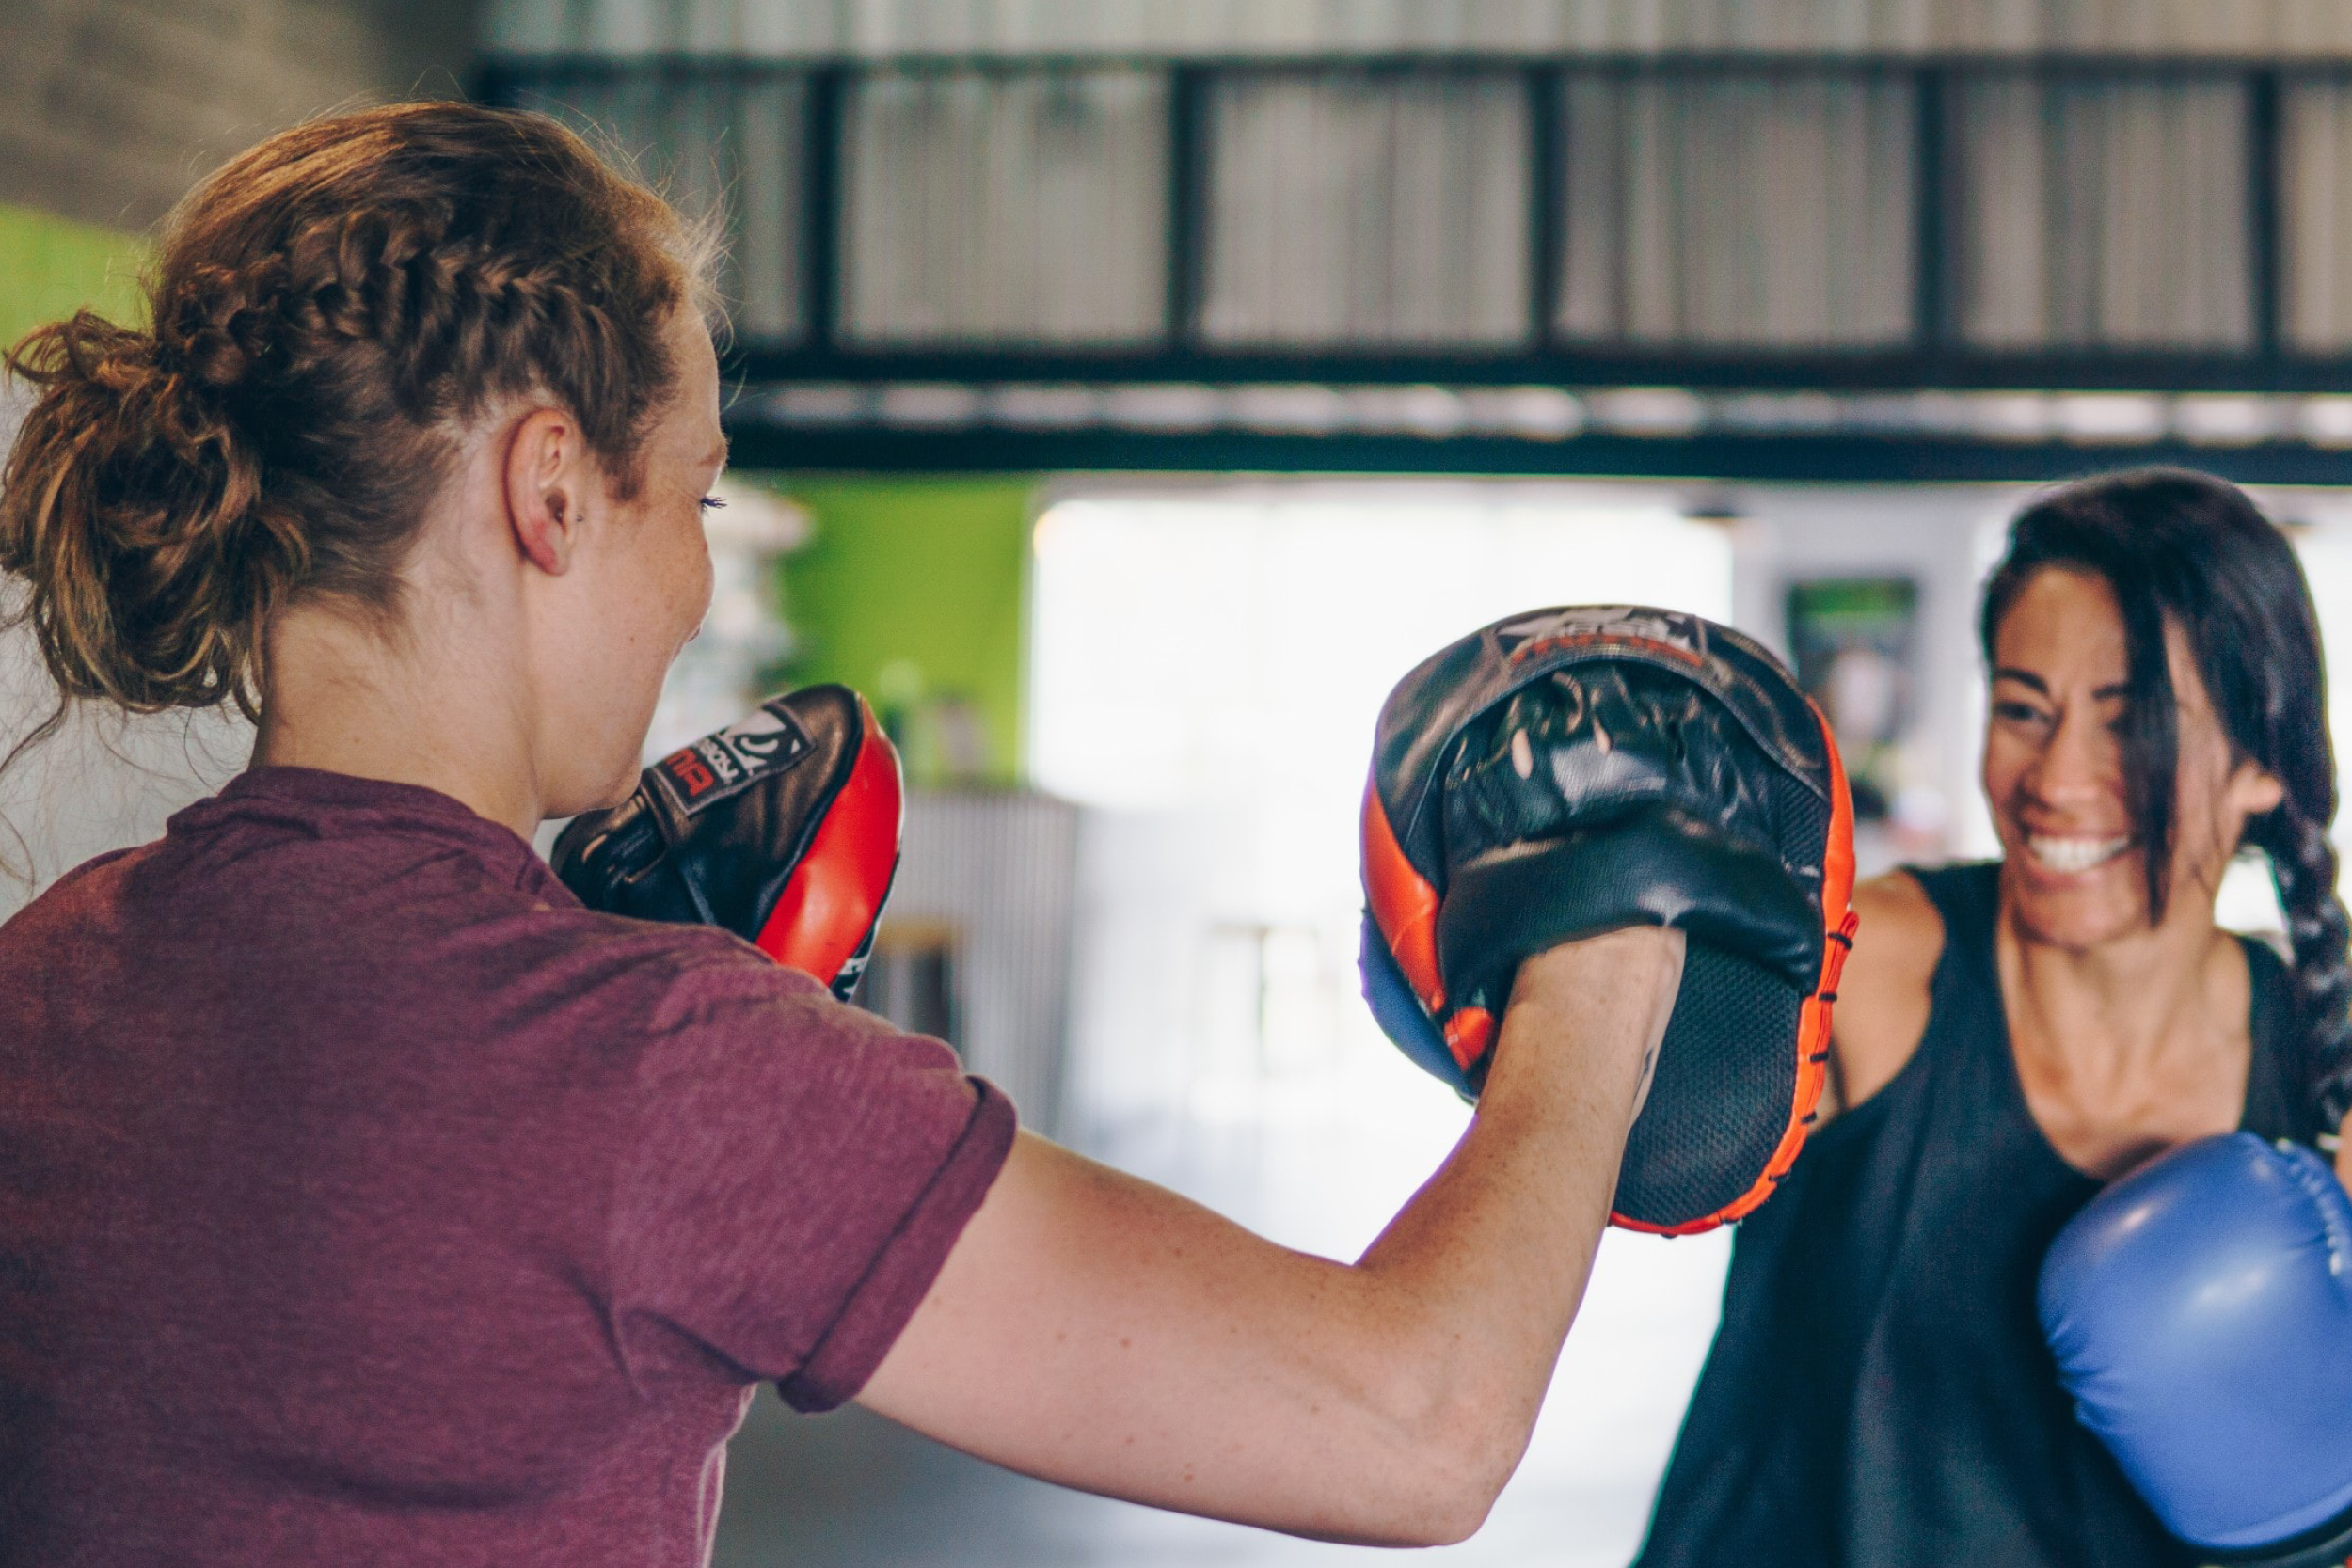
{"points": [[1094, 1330]]}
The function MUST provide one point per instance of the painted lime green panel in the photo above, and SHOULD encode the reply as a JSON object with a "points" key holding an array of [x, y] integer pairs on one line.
{"points": [[51, 267], [912, 592]]}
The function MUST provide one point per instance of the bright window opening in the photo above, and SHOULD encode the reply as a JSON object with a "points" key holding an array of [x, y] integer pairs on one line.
{"points": [[1206, 667]]}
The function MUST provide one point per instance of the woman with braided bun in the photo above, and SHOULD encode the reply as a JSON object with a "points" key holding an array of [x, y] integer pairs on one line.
{"points": [[365, 1197], [2013, 1034]]}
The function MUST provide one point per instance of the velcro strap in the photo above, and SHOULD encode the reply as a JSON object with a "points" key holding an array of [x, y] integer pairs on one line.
{"points": [[698, 776], [1648, 866]]}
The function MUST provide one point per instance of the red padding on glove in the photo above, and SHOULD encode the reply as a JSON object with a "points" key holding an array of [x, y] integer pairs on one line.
{"points": [[1468, 1035], [1403, 905], [836, 894]]}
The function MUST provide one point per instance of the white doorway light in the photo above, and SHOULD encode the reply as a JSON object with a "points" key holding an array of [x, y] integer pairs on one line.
{"points": [[1231, 648]]}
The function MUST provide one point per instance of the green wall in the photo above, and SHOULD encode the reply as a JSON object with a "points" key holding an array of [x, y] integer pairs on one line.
{"points": [[912, 590], [51, 266]]}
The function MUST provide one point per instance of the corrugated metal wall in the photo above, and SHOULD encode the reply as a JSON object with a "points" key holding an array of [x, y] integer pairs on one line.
{"points": [[730, 150], [1349, 209], [1744, 210], [1324, 28], [990, 206], [1726, 209], [2104, 213], [1000, 869], [2315, 177]]}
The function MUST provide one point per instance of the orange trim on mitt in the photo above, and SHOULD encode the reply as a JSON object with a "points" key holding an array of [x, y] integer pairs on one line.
{"points": [[833, 897], [1838, 924], [1402, 905], [1468, 1035]]}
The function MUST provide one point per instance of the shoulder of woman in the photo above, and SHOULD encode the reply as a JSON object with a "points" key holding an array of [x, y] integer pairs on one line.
{"points": [[1897, 916], [1883, 996]]}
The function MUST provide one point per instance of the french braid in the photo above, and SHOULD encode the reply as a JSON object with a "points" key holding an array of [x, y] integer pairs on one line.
{"points": [[328, 311], [2303, 863]]}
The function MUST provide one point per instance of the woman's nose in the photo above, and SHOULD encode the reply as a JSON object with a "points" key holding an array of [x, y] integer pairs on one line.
{"points": [[2078, 765]]}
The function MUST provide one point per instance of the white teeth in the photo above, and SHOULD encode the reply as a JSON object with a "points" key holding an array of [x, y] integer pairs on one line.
{"points": [[2075, 854]]}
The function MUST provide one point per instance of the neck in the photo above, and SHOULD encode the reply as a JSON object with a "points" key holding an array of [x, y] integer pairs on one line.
{"points": [[404, 707], [2128, 998]]}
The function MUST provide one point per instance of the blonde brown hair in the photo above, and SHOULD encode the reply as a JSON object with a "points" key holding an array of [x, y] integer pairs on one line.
{"points": [[328, 310]]}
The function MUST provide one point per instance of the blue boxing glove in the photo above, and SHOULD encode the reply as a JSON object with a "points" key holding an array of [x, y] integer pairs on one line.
{"points": [[2200, 1311]]}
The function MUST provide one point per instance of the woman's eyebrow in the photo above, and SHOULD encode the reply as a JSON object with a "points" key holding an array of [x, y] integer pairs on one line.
{"points": [[2028, 678]]}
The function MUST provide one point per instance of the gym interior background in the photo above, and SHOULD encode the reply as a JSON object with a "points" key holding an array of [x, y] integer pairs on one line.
{"points": [[1125, 392]]}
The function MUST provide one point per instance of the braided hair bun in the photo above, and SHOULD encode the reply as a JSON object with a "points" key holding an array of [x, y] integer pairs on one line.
{"points": [[329, 311]]}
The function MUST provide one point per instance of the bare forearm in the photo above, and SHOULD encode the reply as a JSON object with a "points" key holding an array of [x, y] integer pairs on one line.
{"points": [[1150, 1350], [1502, 1240], [1161, 1354]]}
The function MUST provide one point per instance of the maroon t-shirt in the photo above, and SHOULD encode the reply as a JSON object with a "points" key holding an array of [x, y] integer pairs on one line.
{"points": [[364, 1198]]}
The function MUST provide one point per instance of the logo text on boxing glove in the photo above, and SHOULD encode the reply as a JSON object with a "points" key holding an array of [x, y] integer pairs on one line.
{"points": [[715, 766], [1679, 635]]}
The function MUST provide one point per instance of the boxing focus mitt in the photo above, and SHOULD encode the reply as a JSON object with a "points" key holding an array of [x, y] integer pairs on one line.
{"points": [[2201, 1312], [1567, 772], [782, 828]]}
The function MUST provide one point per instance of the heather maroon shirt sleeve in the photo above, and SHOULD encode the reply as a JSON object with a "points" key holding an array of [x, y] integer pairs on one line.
{"points": [[364, 1198], [795, 1176]]}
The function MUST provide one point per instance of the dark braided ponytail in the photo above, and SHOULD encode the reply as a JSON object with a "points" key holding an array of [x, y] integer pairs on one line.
{"points": [[328, 313], [2182, 548], [2303, 860]]}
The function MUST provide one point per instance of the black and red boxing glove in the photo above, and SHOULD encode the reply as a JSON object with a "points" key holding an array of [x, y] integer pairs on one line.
{"points": [[1571, 771], [782, 828]]}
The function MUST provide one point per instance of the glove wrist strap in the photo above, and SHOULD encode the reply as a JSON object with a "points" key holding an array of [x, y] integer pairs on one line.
{"points": [[2327, 1546]]}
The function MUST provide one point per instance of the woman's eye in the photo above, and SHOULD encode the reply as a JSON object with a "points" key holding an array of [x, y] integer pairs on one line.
{"points": [[2017, 713], [713, 503]]}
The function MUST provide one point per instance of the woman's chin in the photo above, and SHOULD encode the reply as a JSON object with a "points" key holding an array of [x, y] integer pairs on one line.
{"points": [[2077, 909]]}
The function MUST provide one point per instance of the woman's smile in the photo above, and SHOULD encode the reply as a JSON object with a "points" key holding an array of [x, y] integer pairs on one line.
{"points": [[2072, 854]]}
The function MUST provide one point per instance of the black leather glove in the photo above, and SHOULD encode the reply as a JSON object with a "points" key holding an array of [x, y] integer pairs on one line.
{"points": [[782, 828], [1571, 771]]}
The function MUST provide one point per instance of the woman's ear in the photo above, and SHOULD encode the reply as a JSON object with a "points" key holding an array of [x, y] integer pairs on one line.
{"points": [[545, 485], [2254, 789]]}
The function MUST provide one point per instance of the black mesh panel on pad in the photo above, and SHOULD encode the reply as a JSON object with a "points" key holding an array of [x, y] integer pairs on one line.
{"points": [[1804, 825], [1720, 1103]]}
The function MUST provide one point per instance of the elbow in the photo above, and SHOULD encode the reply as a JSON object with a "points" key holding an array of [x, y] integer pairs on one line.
{"points": [[1421, 1423], [1443, 1505], [1449, 1521], [1451, 1449], [1465, 1485]]}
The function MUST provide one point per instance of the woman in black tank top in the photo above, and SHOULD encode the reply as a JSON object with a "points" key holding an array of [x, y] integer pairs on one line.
{"points": [[2019, 1032]]}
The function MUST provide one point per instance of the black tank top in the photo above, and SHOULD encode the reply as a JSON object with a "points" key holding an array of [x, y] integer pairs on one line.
{"points": [[1879, 1395]]}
